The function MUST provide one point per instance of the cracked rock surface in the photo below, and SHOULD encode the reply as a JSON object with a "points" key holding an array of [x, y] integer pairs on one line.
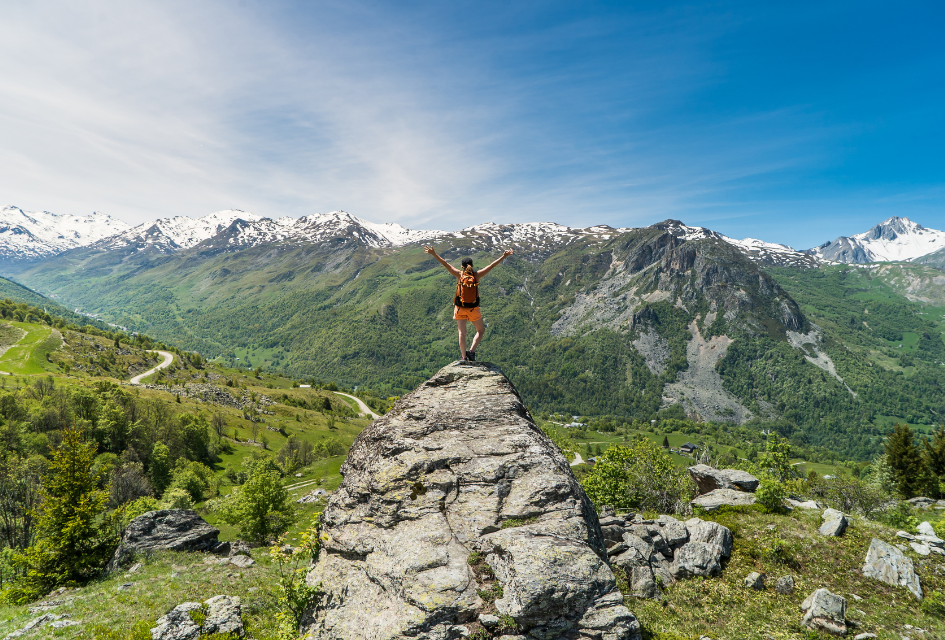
{"points": [[458, 467]]}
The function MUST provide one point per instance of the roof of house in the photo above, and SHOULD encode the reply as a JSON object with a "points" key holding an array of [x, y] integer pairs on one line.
{"points": [[689, 445]]}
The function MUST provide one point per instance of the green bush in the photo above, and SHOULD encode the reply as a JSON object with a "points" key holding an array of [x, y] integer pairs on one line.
{"points": [[177, 498], [139, 507], [638, 476], [261, 508], [770, 494]]}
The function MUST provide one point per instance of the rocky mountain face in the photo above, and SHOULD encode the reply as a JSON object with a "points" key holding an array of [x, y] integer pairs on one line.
{"points": [[456, 512], [895, 239]]}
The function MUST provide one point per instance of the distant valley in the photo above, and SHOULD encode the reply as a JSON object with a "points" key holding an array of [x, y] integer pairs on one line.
{"points": [[592, 321]]}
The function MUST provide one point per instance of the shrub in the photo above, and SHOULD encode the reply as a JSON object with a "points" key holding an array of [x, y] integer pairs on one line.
{"points": [[261, 508], [639, 476], [295, 595], [139, 507], [194, 478], [177, 498], [900, 516], [850, 495], [770, 494]]}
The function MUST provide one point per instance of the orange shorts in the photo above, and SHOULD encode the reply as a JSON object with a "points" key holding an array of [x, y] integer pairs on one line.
{"points": [[462, 313]]}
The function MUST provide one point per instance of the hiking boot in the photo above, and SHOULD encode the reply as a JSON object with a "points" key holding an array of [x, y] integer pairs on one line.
{"points": [[471, 356]]}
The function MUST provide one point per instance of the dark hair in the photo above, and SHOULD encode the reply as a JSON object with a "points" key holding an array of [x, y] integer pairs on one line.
{"points": [[467, 262]]}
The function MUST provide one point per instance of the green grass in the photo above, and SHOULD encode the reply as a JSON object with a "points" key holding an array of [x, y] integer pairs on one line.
{"points": [[156, 590], [28, 355], [724, 608]]}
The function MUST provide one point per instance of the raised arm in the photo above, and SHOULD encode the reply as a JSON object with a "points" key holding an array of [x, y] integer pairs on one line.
{"points": [[482, 272], [443, 262]]}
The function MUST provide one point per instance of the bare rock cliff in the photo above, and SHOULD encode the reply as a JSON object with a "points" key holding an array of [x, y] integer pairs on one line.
{"points": [[458, 517]]}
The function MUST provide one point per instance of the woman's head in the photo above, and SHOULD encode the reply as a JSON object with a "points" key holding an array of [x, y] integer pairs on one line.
{"points": [[467, 265]]}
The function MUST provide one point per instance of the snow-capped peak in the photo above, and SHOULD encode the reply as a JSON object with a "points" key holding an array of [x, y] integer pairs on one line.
{"points": [[179, 232], [893, 239], [37, 234]]}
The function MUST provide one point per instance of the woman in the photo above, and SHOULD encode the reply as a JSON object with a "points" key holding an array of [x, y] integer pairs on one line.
{"points": [[466, 301]]}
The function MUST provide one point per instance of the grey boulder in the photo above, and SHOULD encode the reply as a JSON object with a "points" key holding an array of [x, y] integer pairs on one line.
{"points": [[834, 524], [712, 533], [458, 467], [825, 611], [755, 580], [888, 564], [709, 479], [784, 586], [168, 529], [697, 559], [724, 498], [221, 614]]}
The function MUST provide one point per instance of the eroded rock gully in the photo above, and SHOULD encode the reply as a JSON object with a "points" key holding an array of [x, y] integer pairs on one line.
{"points": [[456, 468]]}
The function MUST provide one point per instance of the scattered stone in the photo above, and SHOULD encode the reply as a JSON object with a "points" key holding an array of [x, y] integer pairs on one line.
{"points": [[810, 504], [934, 541], [835, 523], [724, 498], [126, 586], [433, 480], [240, 548], [712, 533], [38, 623], [488, 620], [709, 479], [921, 549], [755, 580], [673, 531], [921, 502], [771, 527], [314, 496], [856, 598], [617, 549], [888, 564], [168, 529], [926, 529], [905, 535], [222, 614], [243, 562], [865, 636], [825, 611], [784, 586], [697, 559]]}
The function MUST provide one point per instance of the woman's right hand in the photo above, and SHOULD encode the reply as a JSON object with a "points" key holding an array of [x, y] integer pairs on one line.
{"points": [[429, 250]]}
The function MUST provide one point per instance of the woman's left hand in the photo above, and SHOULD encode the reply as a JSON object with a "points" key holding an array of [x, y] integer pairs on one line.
{"points": [[507, 253]]}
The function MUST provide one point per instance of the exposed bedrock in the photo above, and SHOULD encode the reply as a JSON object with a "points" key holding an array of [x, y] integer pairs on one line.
{"points": [[455, 505]]}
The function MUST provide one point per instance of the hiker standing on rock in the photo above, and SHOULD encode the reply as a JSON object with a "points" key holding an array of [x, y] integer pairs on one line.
{"points": [[466, 302]]}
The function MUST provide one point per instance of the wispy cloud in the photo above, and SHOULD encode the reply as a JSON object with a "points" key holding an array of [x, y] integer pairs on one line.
{"points": [[429, 114]]}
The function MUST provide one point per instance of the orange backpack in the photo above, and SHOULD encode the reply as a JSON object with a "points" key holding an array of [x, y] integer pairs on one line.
{"points": [[467, 290]]}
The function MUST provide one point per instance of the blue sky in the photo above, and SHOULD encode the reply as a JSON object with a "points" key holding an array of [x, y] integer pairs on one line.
{"points": [[791, 122]]}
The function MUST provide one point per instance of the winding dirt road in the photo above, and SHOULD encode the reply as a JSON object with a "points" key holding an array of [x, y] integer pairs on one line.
{"points": [[366, 410], [168, 360]]}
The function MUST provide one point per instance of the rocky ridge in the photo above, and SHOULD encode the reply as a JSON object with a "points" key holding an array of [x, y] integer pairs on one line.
{"points": [[454, 488]]}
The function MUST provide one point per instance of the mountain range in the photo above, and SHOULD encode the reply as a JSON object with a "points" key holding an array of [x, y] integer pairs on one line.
{"points": [[26, 237], [588, 321]]}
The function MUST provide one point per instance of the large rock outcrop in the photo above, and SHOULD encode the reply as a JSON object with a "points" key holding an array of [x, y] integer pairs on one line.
{"points": [[454, 506], [166, 530]]}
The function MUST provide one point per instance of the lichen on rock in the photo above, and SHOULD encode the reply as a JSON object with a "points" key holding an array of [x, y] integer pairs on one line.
{"points": [[433, 482]]}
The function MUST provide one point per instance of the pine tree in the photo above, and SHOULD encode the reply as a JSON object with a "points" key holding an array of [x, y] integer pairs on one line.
{"points": [[665, 442], [160, 468], [933, 457], [905, 460], [74, 540]]}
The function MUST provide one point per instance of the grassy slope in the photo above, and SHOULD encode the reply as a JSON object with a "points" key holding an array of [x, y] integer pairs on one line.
{"points": [[725, 608], [165, 581]]}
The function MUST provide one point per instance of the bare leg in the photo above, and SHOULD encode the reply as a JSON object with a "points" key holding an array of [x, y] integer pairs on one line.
{"points": [[480, 331], [461, 325]]}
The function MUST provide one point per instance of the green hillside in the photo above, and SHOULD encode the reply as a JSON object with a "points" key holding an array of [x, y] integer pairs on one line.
{"points": [[570, 325]]}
